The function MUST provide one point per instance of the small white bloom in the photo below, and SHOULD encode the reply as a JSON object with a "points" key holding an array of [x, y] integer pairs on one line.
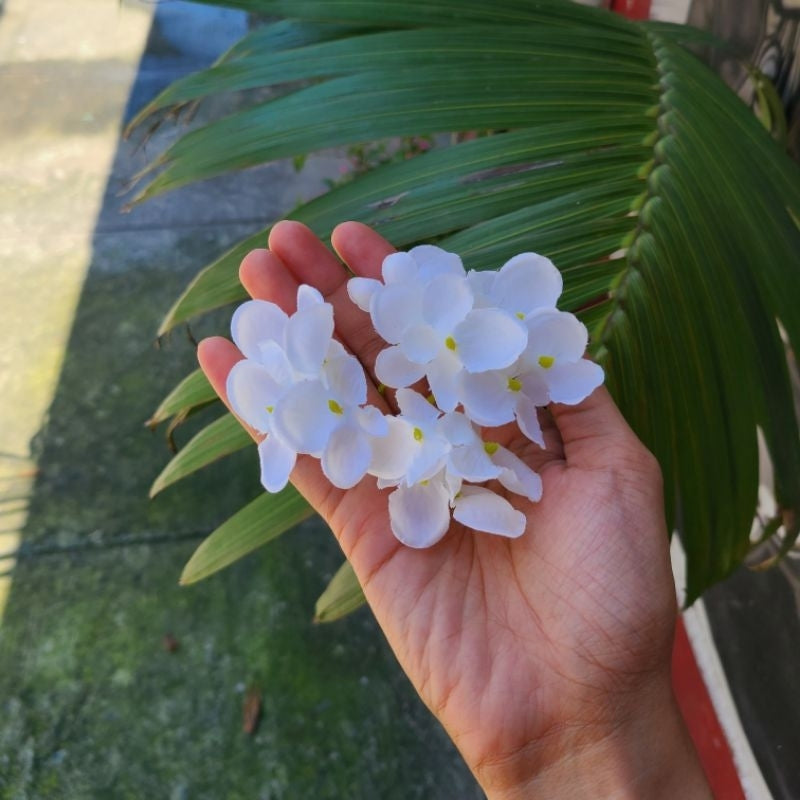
{"points": [[263, 331], [522, 285], [415, 449], [424, 310], [299, 387], [550, 370], [323, 417], [554, 359]]}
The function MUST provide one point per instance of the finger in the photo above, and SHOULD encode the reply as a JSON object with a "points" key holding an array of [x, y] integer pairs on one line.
{"points": [[593, 431], [309, 261], [361, 248], [306, 257], [266, 277], [217, 357]]}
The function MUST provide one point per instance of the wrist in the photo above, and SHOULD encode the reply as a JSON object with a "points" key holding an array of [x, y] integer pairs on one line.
{"points": [[643, 754]]}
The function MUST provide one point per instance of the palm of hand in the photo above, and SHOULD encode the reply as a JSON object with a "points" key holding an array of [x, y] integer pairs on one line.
{"points": [[502, 638]]}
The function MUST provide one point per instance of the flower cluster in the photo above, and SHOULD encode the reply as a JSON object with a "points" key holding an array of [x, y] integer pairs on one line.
{"points": [[491, 348], [299, 387], [491, 344]]}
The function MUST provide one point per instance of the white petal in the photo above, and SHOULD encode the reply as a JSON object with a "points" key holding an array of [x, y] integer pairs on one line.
{"points": [[483, 510], [517, 476], [489, 338], [453, 485], [255, 322], [419, 515], [571, 383], [434, 261], [528, 420], [526, 282], [482, 283], [534, 386], [303, 418], [252, 392], [446, 301], [308, 336], [472, 463], [421, 343], [557, 334], [385, 483], [392, 454], [272, 357], [346, 380], [428, 459], [444, 379], [457, 429], [346, 457], [416, 409], [361, 291], [399, 268], [371, 421], [394, 309], [308, 296], [336, 349], [394, 369], [277, 462], [487, 398]]}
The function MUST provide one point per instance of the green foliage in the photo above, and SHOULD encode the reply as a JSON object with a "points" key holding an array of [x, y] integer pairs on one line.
{"points": [[221, 438], [342, 596], [259, 522], [669, 208]]}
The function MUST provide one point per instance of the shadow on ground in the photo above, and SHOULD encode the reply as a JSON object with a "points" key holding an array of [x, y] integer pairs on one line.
{"points": [[115, 682]]}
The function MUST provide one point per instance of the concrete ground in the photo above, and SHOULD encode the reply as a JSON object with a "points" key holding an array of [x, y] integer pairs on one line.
{"points": [[115, 682]]}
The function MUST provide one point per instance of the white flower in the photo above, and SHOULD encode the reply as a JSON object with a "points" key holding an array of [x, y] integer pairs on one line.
{"points": [[522, 285], [554, 358], [425, 312], [415, 448], [300, 388], [429, 457], [550, 370], [262, 331]]}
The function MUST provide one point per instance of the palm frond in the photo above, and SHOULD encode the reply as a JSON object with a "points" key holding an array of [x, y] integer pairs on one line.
{"points": [[666, 204]]}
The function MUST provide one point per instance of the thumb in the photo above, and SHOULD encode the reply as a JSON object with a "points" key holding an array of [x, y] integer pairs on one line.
{"points": [[594, 432]]}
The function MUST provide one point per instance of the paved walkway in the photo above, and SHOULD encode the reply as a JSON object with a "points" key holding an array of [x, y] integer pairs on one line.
{"points": [[114, 682]]}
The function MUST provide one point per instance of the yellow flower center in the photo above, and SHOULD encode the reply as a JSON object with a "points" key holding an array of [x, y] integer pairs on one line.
{"points": [[270, 409], [515, 384], [450, 343], [545, 362], [418, 434], [520, 315], [490, 448], [335, 407]]}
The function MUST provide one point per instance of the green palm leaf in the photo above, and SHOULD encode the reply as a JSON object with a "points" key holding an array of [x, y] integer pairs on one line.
{"points": [[217, 440], [666, 204], [259, 522], [341, 597]]}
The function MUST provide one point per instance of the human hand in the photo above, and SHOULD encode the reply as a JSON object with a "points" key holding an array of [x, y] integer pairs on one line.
{"points": [[546, 658]]}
